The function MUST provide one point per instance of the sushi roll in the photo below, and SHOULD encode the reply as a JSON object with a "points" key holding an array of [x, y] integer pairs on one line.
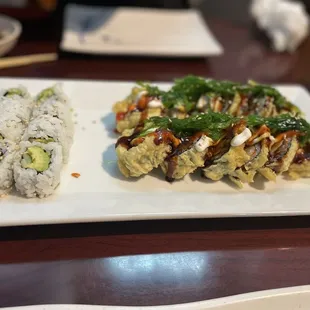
{"points": [[280, 157], [257, 147], [46, 129], [7, 154], [137, 107], [15, 111], [141, 152], [179, 146], [37, 168], [55, 108], [258, 154], [220, 144], [52, 93], [200, 136], [300, 167], [229, 154], [234, 98], [187, 157], [193, 95], [227, 163]]}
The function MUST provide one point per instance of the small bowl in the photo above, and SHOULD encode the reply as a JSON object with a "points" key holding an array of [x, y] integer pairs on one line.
{"points": [[10, 30]]}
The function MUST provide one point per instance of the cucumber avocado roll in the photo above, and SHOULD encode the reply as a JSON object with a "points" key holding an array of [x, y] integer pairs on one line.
{"points": [[37, 168], [220, 144], [7, 153], [192, 95], [15, 111], [35, 140], [52, 93], [45, 129]]}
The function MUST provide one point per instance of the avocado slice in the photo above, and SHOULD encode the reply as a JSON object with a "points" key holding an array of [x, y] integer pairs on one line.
{"points": [[45, 94], [35, 158], [13, 91], [42, 140], [1, 137]]}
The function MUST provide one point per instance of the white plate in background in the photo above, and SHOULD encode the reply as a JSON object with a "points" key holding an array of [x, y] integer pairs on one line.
{"points": [[292, 298], [10, 30], [103, 194], [137, 31]]}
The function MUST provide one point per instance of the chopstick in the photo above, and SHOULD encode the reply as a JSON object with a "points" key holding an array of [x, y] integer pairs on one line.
{"points": [[10, 62]]}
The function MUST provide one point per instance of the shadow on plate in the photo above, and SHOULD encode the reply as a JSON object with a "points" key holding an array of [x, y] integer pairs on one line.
{"points": [[108, 122], [109, 164], [198, 176], [286, 177], [259, 182]]}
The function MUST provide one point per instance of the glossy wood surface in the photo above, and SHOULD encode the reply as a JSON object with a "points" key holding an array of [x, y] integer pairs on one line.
{"points": [[157, 262]]}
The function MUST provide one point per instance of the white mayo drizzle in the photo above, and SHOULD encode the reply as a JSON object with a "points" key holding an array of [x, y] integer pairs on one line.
{"points": [[155, 103], [203, 143], [202, 102], [241, 138]]}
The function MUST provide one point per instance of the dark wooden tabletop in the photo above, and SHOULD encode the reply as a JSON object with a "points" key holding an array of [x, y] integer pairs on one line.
{"points": [[157, 262]]}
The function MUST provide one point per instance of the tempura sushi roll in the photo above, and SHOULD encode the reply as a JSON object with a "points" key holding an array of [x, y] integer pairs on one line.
{"points": [[258, 157], [281, 155], [46, 129], [221, 144], [37, 168], [137, 107], [300, 167], [179, 146], [200, 136], [230, 153], [227, 163], [192, 95], [187, 157], [138, 155], [52, 93], [7, 154], [288, 135], [257, 147], [15, 111], [233, 98]]}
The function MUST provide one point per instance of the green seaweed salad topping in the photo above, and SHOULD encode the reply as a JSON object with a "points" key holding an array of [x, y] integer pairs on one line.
{"points": [[215, 123], [282, 123], [187, 91]]}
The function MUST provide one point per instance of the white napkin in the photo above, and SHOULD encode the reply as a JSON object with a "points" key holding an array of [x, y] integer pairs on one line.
{"points": [[284, 21]]}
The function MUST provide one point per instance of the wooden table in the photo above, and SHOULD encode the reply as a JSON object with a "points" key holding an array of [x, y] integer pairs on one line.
{"points": [[158, 262]]}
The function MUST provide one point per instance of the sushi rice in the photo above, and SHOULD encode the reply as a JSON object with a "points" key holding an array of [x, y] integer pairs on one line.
{"points": [[7, 154], [33, 183], [15, 111], [55, 108]]}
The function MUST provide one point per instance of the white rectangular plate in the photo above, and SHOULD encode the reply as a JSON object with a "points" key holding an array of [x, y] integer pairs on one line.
{"points": [[292, 298], [103, 194], [137, 31]]}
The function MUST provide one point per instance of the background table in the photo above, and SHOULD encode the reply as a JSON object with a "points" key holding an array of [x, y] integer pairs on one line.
{"points": [[157, 262]]}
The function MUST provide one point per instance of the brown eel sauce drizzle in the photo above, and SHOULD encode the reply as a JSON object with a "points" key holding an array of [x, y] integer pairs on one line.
{"points": [[172, 158], [160, 136]]}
